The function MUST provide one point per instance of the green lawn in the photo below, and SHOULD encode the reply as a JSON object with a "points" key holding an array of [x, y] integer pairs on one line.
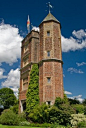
{"points": [[4, 126]]}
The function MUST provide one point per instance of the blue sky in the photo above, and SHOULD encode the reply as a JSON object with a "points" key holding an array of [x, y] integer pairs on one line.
{"points": [[13, 28]]}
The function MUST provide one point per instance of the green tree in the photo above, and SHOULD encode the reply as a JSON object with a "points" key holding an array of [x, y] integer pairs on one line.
{"points": [[33, 89], [73, 101], [84, 102], [7, 97]]}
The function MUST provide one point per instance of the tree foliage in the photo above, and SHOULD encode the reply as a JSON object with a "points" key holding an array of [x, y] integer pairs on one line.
{"points": [[73, 101], [84, 102], [7, 97], [33, 89]]}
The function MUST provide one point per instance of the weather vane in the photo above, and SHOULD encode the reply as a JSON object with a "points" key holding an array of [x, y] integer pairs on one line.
{"points": [[49, 5]]}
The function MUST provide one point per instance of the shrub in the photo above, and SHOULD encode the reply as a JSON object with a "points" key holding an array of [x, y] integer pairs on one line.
{"points": [[68, 108], [59, 101], [77, 118], [81, 124], [15, 108], [53, 115], [40, 114], [85, 110], [79, 108], [24, 123], [9, 118], [44, 125], [22, 117], [59, 116]]}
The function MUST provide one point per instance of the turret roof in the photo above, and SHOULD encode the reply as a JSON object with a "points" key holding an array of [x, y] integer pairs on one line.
{"points": [[50, 17]]}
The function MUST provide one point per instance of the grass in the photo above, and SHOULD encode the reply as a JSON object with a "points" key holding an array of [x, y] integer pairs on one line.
{"points": [[4, 126]]}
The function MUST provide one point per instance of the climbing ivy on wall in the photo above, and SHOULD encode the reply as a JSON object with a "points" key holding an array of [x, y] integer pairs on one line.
{"points": [[33, 89]]}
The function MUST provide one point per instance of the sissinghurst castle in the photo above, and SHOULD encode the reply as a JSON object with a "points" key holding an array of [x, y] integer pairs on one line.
{"points": [[43, 48]]}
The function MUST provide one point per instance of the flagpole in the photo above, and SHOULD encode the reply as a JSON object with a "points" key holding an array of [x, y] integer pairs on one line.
{"points": [[49, 7], [28, 24]]}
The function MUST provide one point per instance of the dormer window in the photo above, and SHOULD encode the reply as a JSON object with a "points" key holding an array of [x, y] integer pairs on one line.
{"points": [[48, 33]]}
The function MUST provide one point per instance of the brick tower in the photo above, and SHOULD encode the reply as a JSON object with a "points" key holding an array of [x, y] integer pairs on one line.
{"points": [[50, 60], [43, 48], [29, 56]]}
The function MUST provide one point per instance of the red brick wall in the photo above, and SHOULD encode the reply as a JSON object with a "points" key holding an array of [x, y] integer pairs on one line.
{"points": [[57, 41], [41, 44], [48, 43], [50, 68], [49, 91], [41, 82]]}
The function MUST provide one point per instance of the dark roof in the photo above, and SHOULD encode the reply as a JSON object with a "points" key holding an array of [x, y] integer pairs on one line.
{"points": [[50, 17]]}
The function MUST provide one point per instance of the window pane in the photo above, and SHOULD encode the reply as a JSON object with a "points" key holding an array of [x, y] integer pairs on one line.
{"points": [[48, 53], [48, 33], [48, 79]]}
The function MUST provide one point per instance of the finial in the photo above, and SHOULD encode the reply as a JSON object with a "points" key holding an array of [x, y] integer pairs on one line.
{"points": [[49, 5]]}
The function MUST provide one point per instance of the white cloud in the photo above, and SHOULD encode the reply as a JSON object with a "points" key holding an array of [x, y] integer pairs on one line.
{"points": [[79, 34], [73, 70], [35, 28], [79, 97], [12, 81], [81, 64], [68, 93], [72, 44], [15, 90], [9, 43], [1, 74]]}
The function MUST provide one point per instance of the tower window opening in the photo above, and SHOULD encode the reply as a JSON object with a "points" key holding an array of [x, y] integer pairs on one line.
{"points": [[26, 48], [48, 102], [48, 53], [48, 80], [48, 33], [25, 81], [25, 61]]}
